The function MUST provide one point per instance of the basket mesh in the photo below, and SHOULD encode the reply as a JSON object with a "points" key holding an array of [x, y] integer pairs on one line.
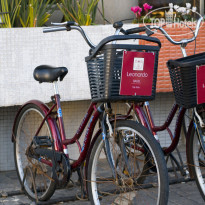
{"points": [[104, 72], [183, 77], [184, 86]]}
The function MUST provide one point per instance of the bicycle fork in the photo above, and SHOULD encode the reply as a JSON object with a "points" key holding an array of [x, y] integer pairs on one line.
{"points": [[105, 127], [198, 125], [107, 132]]}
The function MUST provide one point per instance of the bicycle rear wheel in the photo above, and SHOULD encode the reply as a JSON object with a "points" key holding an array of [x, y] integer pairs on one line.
{"points": [[35, 177], [142, 180]]}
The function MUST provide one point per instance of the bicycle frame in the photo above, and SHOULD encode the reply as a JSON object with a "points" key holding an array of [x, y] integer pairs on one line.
{"points": [[147, 121], [58, 132]]}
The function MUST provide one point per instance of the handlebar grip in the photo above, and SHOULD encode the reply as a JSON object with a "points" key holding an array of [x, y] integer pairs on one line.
{"points": [[136, 30], [66, 23], [53, 29], [72, 23]]}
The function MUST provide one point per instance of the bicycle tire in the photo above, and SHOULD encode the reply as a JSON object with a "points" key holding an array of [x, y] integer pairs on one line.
{"points": [[27, 124], [197, 159], [116, 191]]}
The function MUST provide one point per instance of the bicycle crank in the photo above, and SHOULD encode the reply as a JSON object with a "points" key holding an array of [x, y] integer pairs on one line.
{"points": [[58, 161]]}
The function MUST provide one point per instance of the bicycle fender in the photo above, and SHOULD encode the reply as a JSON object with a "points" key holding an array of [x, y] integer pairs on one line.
{"points": [[120, 117], [51, 121], [95, 137], [188, 150]]}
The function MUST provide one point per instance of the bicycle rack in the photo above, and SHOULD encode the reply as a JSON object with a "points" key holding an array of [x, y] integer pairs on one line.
{"points": [[177, 166]]}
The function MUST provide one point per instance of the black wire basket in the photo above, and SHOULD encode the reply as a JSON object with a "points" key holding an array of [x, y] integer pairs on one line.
{"points": [[183, 77], [104, 72]]}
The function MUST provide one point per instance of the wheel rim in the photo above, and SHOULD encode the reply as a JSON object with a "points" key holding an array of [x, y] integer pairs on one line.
{"points": [[36, 184], [129, 191], [199, 163]]}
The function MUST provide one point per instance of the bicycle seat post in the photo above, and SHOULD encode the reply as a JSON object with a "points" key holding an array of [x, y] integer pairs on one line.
{"points": [[55, 85], [60, 115]]}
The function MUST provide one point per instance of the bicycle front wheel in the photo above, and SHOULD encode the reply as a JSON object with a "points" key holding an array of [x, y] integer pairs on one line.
{"points": [[35, 177], [140, 168], [197, 160]]}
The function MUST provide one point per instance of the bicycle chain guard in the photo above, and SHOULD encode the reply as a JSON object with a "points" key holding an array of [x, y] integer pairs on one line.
{"points": [[60, 164], [65, 169]]}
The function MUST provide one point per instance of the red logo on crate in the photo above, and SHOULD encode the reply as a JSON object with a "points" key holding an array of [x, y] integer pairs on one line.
{"points": [[137, 73], [200, 82]]}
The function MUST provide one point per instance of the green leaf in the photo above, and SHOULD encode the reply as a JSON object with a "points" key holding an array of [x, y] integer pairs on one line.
{"points": [[81, 11]]}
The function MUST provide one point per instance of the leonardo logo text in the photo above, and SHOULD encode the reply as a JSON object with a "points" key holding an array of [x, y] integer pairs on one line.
{"points": [[143, 75]]}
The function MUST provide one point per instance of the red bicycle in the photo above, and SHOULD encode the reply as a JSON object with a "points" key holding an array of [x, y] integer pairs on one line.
{"points": [[184, 73], [121, 163]]}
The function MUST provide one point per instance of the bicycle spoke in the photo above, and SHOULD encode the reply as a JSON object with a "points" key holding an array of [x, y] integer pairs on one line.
{"points": [[132, 183], [39, 181]]}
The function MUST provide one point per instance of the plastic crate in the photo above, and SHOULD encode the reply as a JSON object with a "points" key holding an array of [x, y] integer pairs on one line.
{"points": [[104, 72], [183, 77]]}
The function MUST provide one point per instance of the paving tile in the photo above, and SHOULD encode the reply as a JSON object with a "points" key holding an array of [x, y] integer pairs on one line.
{"points": [[180, 194]]}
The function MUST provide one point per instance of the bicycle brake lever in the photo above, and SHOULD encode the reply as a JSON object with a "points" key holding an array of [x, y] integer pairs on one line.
{"points": [[149, 32]]}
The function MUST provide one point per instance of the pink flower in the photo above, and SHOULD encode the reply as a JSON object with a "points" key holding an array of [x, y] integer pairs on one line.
{"points": [[147, 7], [137, 10]]}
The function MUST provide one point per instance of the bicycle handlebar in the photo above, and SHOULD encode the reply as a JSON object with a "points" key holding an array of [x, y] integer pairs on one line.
{"points": [[183, 41], [140, 29], [149, 27], [67, 26], [70, 25], [120, 38]]}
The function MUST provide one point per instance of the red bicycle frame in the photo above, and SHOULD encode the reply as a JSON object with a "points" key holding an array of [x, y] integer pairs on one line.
{"points": [[147, 121], [58, 130], [145, 118]]}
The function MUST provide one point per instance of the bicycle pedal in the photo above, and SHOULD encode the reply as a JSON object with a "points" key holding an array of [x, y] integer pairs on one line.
{"points": [[42, 141]]}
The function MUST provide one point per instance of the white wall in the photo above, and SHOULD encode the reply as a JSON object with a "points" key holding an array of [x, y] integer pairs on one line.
{"points": [[116, 10], [22, 49]]}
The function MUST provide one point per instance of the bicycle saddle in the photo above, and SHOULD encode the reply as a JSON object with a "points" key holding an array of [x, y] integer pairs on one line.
{"points": [[45, 73]]}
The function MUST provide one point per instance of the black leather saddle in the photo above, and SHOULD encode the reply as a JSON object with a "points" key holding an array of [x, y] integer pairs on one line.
{"points": [[45, 73]]}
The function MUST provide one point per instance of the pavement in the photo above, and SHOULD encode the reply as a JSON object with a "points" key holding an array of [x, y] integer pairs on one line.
{"points": [[183, 193]]}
